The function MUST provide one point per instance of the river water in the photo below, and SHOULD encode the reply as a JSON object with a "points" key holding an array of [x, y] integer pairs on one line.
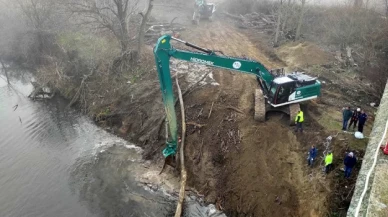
{"points": [[54, 162]]}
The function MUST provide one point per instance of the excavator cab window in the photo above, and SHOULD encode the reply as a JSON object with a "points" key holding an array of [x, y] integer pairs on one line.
{"points": [[279, 93], [272, 92]]}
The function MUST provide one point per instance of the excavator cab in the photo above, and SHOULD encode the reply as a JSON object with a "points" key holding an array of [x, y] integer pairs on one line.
{"points": [[280, 90], [292, 87]]}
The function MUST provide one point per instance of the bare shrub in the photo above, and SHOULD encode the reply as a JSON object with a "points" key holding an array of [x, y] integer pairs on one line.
{"points": [[112, 15], [348, 26], [378, 76]]}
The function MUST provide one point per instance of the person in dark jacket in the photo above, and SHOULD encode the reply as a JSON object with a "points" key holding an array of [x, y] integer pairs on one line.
{"points": [[354, 118], [346, 115], [312, 155], [361, 121], [349, 161]]}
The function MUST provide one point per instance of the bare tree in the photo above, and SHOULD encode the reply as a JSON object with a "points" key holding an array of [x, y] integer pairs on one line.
{"points": [[276, 42], [113, 15], [300, 22], [285, 14], [144, 20], [43, 20], [8, 27], [37, 12]]}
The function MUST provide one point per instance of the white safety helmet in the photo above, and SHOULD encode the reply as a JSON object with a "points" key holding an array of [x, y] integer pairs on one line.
{"points": [[358, 109]]}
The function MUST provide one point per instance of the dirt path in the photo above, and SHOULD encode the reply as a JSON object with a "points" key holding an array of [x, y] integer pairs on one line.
{"points": [[246, 167]]}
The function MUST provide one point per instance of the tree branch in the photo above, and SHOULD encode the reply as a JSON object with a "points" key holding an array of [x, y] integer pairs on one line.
{"points": [[143, 25], [182, 190]]}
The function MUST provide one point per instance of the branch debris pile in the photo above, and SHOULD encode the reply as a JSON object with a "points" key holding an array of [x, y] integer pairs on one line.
{"points": [[155, 30], [254, 20]]}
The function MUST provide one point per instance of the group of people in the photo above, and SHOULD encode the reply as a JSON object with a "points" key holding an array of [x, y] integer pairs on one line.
{"points": [[350, 161], [357, 116]]}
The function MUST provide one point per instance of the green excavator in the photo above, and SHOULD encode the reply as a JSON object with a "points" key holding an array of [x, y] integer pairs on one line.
{"points": [[203, 10], [277, 91]]}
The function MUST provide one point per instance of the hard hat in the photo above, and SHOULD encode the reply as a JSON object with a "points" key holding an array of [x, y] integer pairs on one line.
{"points": [[358, 109], [351, 154]]}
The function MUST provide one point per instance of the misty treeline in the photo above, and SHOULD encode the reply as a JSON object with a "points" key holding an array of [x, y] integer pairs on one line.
{"points": [[31, 29], [359, 31], [68, 41]]}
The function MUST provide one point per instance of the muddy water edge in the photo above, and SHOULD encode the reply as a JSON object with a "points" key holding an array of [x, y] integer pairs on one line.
{"points": [[56, 162]]}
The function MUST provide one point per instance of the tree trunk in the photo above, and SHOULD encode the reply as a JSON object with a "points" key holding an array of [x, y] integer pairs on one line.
{"points": [[124, 38], [143, 25], [122, 17], [297, 35], [349, 59], [182, 190], [5, 70], [386, 8], [276, 42], [124, 44], [285, 15]]}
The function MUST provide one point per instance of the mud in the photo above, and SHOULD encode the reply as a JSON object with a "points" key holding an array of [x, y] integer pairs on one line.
{"points": [[246, 168]]}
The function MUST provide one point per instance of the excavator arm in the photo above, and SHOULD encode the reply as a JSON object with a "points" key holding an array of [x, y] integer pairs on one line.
{"points": [[163, 51]]}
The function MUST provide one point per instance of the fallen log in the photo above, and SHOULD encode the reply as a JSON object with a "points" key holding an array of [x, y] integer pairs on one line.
{"points": [[253, 20], [187, 91], [80, 88], [196, 124], [233, 16], [235, 109], [182, 190], [40, 92]]}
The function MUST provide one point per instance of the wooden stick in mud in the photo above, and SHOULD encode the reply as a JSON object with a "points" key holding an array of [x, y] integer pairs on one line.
{"points": [[195, 124], [235, 109], [211, 109], [187, 91], [77, 96], [178, 211]]}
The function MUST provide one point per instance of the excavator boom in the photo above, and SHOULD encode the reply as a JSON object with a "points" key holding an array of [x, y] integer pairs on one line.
{"points": [[163, 51]]}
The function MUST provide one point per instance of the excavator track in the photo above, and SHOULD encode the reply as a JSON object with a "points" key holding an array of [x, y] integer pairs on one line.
{"points": [[294, 109], [260, 109]]}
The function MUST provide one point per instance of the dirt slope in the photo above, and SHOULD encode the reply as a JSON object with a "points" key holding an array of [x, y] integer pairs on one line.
{"points": [[245, 166], [304, 54]]}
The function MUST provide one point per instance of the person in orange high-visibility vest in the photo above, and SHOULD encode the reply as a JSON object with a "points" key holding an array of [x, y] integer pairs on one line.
{"points": [[299, 121]]}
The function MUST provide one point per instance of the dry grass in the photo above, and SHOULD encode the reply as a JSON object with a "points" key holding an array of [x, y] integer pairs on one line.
{"points": [[304, 54]]}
